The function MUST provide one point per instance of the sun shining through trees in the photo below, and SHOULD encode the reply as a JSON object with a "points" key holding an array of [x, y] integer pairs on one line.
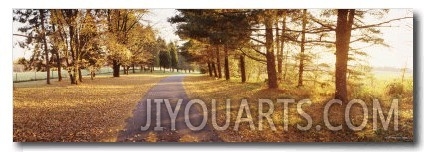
{"points": [[291, 75]]}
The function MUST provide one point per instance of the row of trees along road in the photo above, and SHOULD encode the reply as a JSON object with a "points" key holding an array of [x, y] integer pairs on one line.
{"points": [[75, 39], [269, 36]]}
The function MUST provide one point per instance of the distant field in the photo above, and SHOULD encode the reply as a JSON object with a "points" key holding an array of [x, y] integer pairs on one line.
{"points": [[391, 74], [32, 75]]}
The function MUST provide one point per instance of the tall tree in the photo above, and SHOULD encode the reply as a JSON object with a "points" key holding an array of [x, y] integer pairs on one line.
{"points": [[35, 32], [173, 55], [215, 28], [120, 24], [343, 32], [302, 49]]}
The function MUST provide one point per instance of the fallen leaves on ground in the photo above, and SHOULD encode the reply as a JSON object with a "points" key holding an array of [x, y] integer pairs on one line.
{"points": [[206, 89], [93, 111]]}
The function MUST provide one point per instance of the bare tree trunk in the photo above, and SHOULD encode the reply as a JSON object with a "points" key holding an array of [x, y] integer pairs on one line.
{"points": [[286, 64], [277, 47], [270, 57], [79, 74], [242, 69], [343, 34], [302, 51], [218, 62], [210, 69], [116, 68], [72, 72], [226, 64], [92, 74], [214, 70], [133, 68], [280, 56], [59, 66], [58, 60], [42, 18], [75, 73]]}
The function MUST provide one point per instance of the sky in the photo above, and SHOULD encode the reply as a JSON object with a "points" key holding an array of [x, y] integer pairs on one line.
{"points": [[399, 37]]}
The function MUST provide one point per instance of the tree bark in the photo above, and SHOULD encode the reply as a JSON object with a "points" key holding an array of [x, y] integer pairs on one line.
{"points": [[214, 70], [280, 56], [58, 60], [218, 62], [133, 68], [270, 57], [79, 74], [226, 65], [42, 18], [302, 50], [210, 69], [343, 34], [116, 68], [242, 69]]}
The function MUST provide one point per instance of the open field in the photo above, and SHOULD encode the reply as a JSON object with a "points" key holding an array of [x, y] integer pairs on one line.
{"points": [[95, 110]]}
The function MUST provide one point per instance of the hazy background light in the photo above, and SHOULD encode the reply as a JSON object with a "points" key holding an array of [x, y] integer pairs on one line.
{"points": [[399, 36]]}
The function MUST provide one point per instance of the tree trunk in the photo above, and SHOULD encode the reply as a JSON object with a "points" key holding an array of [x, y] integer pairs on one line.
{"points": [[79, 74], [42, 18], [92, 75], [210, 69], [277, 47], [72, 77], [116, 68], [242, 69], [302, 51], [75, 74], [133, 68], [58, 60], [280, 56], [218, 62], [59, 66], [343, 33], [214, 70], [270, 57], [286, 64], [226, 65]]}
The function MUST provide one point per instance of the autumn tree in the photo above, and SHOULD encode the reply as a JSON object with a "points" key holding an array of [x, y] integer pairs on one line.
{"points": [[120, 23]]}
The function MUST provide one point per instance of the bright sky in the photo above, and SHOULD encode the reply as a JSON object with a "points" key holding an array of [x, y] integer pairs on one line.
{"points": [[399, 37]]}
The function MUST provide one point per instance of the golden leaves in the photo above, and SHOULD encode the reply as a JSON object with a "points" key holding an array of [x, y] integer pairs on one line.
{"points": [[93, 111]]}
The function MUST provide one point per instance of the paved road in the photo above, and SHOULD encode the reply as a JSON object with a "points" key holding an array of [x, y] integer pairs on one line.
{"points": [[169, 88]]}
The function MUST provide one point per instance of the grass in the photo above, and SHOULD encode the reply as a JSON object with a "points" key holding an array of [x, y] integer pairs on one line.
{"points": [[206, 88], [95, 110]]}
